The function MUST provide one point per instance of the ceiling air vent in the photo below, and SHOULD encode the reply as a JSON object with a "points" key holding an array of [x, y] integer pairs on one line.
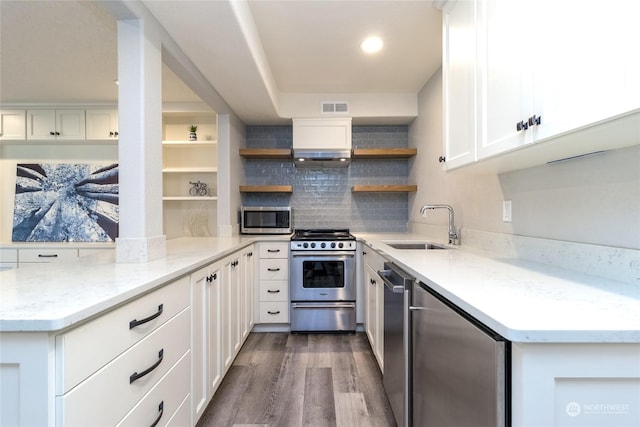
{"points": [[340, 107]]}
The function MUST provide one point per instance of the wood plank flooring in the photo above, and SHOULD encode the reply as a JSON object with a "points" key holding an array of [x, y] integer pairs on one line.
{"points": [[281, 379]]}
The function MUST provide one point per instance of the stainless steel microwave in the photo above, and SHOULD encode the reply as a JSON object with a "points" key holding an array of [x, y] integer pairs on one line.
{"points": [[265, 220]]}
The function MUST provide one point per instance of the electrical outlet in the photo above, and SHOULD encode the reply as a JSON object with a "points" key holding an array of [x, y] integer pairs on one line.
{"points": [[506, 210]]}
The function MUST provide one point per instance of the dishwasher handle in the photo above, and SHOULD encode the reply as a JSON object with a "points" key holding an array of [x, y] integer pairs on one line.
{"points": [[395, 279]]}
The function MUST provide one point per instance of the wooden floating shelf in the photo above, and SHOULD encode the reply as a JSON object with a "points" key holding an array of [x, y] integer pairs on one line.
{"points": [[384, 188], [266, 153], [266, 189], [384, 153]]}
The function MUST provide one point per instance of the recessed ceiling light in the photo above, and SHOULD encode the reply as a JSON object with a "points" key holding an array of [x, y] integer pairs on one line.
{"points": [[371, 44]]}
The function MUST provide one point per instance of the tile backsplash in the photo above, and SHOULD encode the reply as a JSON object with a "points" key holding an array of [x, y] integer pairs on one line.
{"points": [[322, 197]]}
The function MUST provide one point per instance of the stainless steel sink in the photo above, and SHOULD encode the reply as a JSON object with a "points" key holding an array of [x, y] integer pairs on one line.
{"points": [[415, 245]]}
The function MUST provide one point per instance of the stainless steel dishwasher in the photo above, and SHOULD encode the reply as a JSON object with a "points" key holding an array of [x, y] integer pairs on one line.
{"points": [[461, 368], [396, 377]]}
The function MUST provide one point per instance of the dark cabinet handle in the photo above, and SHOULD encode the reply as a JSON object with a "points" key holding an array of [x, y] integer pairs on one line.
{"points": [[250, 254], [48, 256], [212, 277], [116, 133], [273, 250], [273, 269], [161, 410], [372, 282], [442, 159], [522, 125], [274, 312], [52, 133], [364, 252], [277, 291], [534, 120], [135, 322], [110, 133], [136, 376], [235, 263], [57, 133]]}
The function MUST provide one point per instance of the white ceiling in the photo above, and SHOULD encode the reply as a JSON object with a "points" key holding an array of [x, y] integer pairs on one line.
{"points": [[253, 53]]}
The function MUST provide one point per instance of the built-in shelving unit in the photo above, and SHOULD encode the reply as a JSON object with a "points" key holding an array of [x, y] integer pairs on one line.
{"points": [[266, 189], [384, 188], [187, 162]]}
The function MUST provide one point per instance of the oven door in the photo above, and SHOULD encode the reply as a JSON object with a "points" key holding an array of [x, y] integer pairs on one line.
{"points": [[322, 276]]}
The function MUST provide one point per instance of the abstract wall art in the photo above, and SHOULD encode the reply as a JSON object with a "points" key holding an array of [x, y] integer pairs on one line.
{"points": [[64, 202]]}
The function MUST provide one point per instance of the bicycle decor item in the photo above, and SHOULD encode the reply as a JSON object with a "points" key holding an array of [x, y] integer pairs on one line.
{"points": [[198, 189]]}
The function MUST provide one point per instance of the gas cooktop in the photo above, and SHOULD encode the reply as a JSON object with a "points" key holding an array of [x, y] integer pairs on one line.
{"points": [[323, 239]]}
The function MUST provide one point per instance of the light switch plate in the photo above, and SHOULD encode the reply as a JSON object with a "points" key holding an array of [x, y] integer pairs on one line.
{"points": [[506, 210]]}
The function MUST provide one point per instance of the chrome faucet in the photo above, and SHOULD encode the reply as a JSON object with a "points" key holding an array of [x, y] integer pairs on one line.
{"points": [[454, 239]]}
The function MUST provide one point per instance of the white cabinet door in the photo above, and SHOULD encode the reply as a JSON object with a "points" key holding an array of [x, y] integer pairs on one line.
{"points": [[322, 133], [48, 125], [199, 341], [459, 83], [102, 124], [584, 74], [504, 60], [214, 356], [12, 125], [247, 280]]}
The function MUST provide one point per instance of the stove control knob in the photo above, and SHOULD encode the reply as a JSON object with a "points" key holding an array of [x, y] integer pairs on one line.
{"points": [[323, 245], [313, 245], [306, 245], [333, 244], [341, 245]]}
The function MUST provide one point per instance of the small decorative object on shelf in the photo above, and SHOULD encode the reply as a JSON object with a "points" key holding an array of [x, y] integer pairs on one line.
{"points": [[198, 189], [192, 133]]}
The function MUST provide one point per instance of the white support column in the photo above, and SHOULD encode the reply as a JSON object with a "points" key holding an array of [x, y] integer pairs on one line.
{"points": [[140, 143]]}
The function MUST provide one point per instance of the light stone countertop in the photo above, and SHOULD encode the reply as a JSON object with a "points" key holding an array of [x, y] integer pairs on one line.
{"points": [[523, 301]]}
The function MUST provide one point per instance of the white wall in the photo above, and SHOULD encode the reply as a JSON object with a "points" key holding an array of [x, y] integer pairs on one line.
{"points": [[592, 200], [231, 136]]}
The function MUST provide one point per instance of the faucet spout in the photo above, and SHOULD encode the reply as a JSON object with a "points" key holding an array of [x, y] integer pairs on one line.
{"points": [[453, 234]]}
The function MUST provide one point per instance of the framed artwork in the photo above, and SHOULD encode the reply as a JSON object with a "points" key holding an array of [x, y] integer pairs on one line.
{"points": [[65, 202]]}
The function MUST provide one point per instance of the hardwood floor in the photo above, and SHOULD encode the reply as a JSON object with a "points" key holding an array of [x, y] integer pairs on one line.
{"points": [[281, 379]]}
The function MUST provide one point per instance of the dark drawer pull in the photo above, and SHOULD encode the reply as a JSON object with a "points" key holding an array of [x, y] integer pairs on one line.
{"points": [[277, 291], [135, 322], [274, 312], [273, 269], [273, 250], [161, 409], [48, 256], [136, 376]]}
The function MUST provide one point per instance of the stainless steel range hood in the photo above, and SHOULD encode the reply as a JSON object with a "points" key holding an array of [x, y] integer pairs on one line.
{"points": [[321, 158]]}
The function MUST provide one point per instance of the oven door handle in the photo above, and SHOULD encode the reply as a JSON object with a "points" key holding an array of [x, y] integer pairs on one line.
{"points": [[304, 305], [315, 254]]}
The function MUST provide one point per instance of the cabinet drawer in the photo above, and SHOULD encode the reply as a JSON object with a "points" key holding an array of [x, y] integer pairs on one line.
{"points": [[274, 250], [164, 399], [273, 269], [274, 312], [274, 290], [47, 255], [85, 349], [8, 255], [110, 393]]}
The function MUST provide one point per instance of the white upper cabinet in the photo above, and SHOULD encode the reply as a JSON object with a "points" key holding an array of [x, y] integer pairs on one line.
{"points": [[327, 133], [504, 72], [459, 78], [12, 125], [55, 124], [590, 69], [102, 124], [545, 80]]}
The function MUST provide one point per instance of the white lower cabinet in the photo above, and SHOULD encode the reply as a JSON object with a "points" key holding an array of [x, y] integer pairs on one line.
{"points": [[107, 368], [272, 282], [222, 307], [374, 298]]}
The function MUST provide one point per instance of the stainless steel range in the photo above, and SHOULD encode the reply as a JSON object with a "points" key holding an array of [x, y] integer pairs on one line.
{"points": [[322, 281]]}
